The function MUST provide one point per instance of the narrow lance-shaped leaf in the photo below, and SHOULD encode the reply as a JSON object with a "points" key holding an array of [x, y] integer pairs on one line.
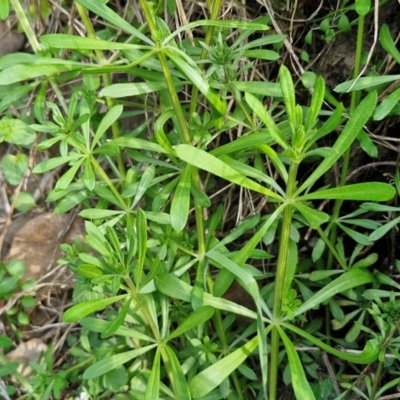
{"points": [[288, 92], [99, 8], [225, 277], [220, 24], [387, 105], [388, 44], [112, 115], [259, 109], [367, 356], [346, 138], [350, 279], [153, 384], [141, 230], [4, 9], [181, 201], [144, 184], [114, 325], [365, 83], [301, 387], [159, 130], [85, 308], [118, 90], [196, 318], [207, 162], [89, 178], [179, 381], [208, 379], [316, 104], [65, 41], [314, 217], [196, 78], [371, 191], [109, 363]]}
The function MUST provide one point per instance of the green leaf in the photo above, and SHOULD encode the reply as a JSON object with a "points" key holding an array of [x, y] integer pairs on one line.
{"points": [[259, 109], [314, 217], [224, 262], [53, 163], [316, 104], [224, 24], [98, 325], [387, 105], [108, 364], [25, 202], [153, 384], [15, 94], [132, 89], [25, 72], [207, 162], [350, 279], [173, 287], [301, 387], [388, 44], [159, 130], [89, 271], [367, 356], [136, 143], [14, 167], [346, 138], [15, 131], [5, 342], [268, 55], [261, 88], [64, 41], [200, 197], [9, 368], [285, 80], [96, 213], [89, 178], [246, 225], [197, 79], [210, 378], [383, 230], [181, 200], [4, 9], [85, 308], [67, 178], [356, 236], [114, 325], [144, 183], [111, 116], [371, 191], [141, 231], [363, 7], [181, 387], [107, 149], [367, 82], [98, 7], [196, 318]]}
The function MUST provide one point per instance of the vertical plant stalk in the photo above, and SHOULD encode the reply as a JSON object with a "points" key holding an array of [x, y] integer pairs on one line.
{"points": [[284, 239], [214, 7], [106, 80], [381, 364], [355, 99]]}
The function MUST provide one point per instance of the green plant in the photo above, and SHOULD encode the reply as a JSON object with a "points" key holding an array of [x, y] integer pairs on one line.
{"points": [[149, 293]]}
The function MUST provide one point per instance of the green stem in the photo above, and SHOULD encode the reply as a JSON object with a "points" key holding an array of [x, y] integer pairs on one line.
{"points": [[280, 280], [355, 99], [214, 7]]}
